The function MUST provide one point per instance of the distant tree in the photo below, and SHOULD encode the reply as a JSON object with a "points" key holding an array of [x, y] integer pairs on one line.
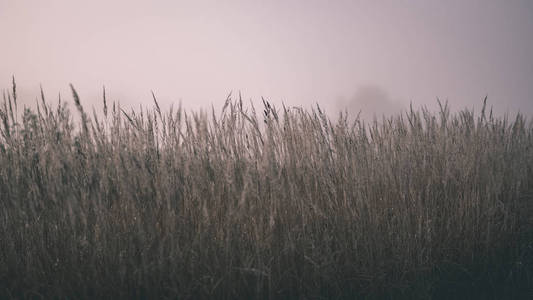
{"points": [[371, 100]]}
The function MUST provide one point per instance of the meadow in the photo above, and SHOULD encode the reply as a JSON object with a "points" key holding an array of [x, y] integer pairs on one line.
{"points": [[279, 203]]}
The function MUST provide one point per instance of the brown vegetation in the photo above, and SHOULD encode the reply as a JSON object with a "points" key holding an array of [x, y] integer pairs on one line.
{"points": [[153, 204]]}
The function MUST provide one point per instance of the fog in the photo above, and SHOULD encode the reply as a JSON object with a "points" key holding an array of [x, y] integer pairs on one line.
{"points": [[370, 56]]}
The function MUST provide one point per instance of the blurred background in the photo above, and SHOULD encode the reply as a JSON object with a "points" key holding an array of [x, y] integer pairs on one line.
{"points": [[370, 56]]}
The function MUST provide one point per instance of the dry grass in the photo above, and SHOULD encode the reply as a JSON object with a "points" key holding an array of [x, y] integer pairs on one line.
{"points": [[288, 204]]}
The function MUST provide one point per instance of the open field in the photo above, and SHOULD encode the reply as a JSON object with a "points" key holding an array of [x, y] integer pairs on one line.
{"points": [[279, 204]]}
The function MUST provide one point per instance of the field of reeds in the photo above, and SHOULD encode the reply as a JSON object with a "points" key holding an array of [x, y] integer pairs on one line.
{"points": [[282, 203]]}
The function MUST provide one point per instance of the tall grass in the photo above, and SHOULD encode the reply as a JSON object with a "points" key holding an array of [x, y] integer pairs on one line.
{"points": [[280, 204]]}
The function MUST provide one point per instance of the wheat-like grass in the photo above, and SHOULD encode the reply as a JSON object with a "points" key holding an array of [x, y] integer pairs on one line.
{"points": [[288, 204]]}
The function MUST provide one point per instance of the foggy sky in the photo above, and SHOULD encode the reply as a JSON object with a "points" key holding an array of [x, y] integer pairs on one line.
{"points": [[298, 52]]}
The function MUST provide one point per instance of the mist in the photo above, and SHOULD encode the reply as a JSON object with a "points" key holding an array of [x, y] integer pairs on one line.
{"points": [[368, 56]]}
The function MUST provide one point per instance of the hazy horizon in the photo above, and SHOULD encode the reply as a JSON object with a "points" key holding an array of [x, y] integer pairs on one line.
{"points": [[378, 57]]}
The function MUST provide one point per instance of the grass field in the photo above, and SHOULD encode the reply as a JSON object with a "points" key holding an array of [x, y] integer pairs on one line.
{"points": [[278, 204]]}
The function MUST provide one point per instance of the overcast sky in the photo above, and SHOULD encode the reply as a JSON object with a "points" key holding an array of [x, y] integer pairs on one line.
{"points": [[361, 54]]}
